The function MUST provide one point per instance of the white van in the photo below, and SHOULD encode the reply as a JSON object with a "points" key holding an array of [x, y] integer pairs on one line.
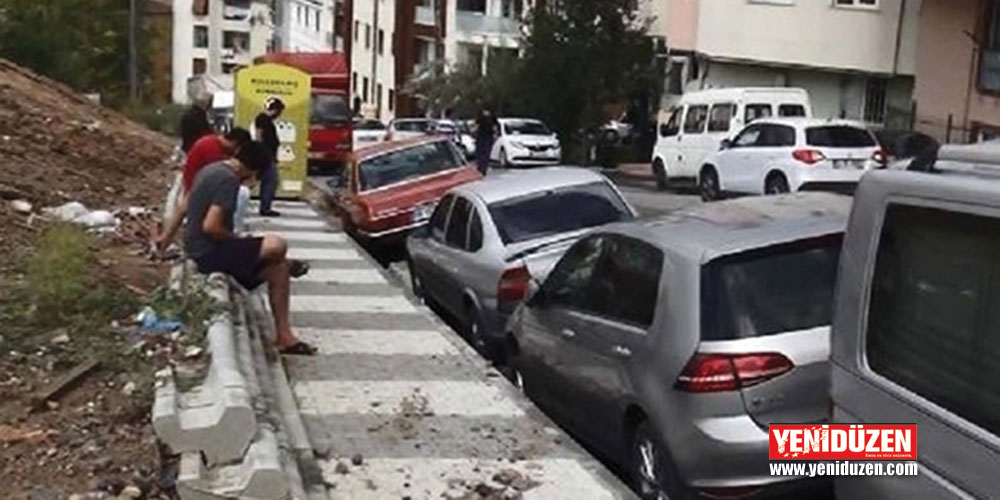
{"points": [[696, 127]]}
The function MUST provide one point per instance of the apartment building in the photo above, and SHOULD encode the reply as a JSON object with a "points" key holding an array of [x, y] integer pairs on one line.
{"points": [[857, 58], [958, 70], [304, 25], [212, 38], [477, 28]]}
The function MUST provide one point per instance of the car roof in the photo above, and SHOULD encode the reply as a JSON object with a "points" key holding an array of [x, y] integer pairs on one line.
{"points": [[506, 185], [700, 96], [801, 122], [704, 232], [513, 119], [370, 151]]}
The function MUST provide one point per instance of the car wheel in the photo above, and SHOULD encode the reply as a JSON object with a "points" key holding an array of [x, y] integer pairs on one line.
{"points": [[474, 330], [708, 184], [416, 284], [504, 163], [660, 174], [654, 475], [776, 183]]}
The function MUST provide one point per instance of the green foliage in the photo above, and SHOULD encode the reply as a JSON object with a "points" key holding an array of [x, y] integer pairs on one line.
{"points": [[83, 43], [193, 307]]}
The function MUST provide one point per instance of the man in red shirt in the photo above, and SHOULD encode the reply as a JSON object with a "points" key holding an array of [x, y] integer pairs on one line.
{"points": [[209, 149]]}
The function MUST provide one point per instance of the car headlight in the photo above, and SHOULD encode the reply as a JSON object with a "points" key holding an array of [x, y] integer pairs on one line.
{"points": [[517, 144]]}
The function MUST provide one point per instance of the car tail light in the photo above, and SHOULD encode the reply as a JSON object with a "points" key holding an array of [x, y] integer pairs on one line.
{"points": [[808, 156], [881, 156], [713, 372], [513, 285]]}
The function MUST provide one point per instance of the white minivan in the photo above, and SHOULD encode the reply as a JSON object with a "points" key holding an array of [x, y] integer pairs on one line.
{"points": [[697, 125]]}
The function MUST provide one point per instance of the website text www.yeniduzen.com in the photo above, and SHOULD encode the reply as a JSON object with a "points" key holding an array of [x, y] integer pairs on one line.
{"points": [[844, 468]]}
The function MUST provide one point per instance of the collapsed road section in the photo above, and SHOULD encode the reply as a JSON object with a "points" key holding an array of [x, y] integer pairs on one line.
{"points": [[395, 405]]}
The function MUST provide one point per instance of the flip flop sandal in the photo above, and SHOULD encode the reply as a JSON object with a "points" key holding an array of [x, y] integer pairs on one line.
{"points": [[298, 349], [298, 268]]}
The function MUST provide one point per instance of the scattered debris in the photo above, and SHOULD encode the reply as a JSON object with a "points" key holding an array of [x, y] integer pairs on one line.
{"points": [[12, 435], [341, 468], [357, 459], [129, 388], [60, 386], [21, 206]]}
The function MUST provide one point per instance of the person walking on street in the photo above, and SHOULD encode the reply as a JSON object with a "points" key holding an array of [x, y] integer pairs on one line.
{"points": [[209, 239], [194, 123], [267, 134], [487, 128], [209, 149]]}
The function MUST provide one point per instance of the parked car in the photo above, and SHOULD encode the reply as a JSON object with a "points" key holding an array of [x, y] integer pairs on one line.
{"points": [[525, 142], [915, 336], [393, 187], [670, 345], [459, 133], [784, 155], [488, 238], [408, 128], [697, 125], [368, 131]]}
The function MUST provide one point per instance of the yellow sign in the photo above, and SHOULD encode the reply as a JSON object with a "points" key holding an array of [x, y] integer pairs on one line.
{"points": [[258, 84]]}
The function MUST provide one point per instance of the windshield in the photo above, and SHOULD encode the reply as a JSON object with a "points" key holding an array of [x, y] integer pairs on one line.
{"points": [[544, 213], [840, 136], [329, 109], [525, 127], [398, 166], [778, 289], [369, 125]]}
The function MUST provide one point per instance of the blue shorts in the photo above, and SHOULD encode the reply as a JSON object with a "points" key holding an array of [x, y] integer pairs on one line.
{"points": [[237, 257]]}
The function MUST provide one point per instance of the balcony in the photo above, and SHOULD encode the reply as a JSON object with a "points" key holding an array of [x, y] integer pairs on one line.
{"points": [[426, 16], [479, 23]]}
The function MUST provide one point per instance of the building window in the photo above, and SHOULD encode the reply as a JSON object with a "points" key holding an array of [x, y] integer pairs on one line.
{"points": [[237, 40], [875, 100], [989, 58], [317, 21], [472, 5], [378, 100], [229, 68], [357, 28], [364, 89], [860, 4], [392, 100], [381, 42], [201, 37], [199, 7], [198, 66], [354, 82], [368, 36]]}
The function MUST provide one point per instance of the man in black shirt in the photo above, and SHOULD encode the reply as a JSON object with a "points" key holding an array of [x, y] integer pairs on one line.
{"points": [[194, 124], [486, 130], [267, 134]]}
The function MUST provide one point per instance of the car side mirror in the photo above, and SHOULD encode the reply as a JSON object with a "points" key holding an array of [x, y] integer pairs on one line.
{"points": [[725, 144]]}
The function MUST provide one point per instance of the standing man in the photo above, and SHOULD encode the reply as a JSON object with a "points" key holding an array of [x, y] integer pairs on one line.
{"points": [[487, 128], [209, 149], [267, 134], [194, 122], [251, 261]]}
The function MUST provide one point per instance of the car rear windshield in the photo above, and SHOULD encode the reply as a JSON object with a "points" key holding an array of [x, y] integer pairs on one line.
{"points": [[558, 210], [777, 289], [413, 125], [518, 127], [329, 109], [405, 164], [839, 136]]}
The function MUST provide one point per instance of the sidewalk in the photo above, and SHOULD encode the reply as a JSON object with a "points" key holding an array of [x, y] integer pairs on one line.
{"points": [[398, 406], [636, 171]]}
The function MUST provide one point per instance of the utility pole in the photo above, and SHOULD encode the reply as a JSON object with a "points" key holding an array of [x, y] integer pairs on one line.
{"points": [[133, 58]]}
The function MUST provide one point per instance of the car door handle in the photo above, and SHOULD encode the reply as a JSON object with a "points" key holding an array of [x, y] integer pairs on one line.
{"points": [[621, 351], [567, 333]]}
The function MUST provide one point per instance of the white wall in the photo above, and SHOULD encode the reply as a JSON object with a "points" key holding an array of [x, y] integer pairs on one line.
{"points": [[384, 70], [809, 32], [299, 24]]}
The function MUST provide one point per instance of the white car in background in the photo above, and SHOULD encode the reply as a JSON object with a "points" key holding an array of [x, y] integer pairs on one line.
{"points": [[459, 134], [368, 132], [525, 142], [781, 155], [408, 128]]}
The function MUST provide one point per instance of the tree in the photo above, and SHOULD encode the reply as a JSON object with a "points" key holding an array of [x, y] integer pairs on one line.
{"points": [[83, 43]]}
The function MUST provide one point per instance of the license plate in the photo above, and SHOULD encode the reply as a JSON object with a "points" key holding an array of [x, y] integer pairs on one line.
{"points": [[848, 164], [423, 212]]}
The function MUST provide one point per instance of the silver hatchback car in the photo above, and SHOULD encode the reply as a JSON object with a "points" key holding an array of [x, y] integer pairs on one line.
{"points": [[487, 240], [670, 345]]}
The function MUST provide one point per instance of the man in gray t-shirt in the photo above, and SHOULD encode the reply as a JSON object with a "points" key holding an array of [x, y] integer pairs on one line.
{"points": [[211, 243]]}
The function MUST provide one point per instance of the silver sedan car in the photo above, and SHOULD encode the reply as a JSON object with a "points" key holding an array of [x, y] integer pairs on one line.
{"points": [[488, 240], [671, 345]]}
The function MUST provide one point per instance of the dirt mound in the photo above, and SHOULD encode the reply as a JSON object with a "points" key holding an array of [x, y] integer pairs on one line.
{"points": [[57, 146]]}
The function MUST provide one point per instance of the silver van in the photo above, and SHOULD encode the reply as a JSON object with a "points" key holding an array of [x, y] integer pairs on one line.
{"points": [[916, 332]]}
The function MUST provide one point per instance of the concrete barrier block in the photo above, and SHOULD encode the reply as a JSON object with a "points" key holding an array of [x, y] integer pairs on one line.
{"points": [[258, 476], [217, 416]]}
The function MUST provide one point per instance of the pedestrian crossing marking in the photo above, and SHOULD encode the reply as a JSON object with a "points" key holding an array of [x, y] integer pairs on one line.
{"points": [[379, 342], [352, 303], [347, 276], [434, 397]]}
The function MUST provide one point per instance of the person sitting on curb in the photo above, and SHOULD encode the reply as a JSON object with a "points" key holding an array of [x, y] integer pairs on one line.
{"points": [[209, 239], [209, 149]]}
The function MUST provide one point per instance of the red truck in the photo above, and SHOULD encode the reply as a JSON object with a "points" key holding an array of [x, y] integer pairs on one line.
{"points": [[330, 128]]}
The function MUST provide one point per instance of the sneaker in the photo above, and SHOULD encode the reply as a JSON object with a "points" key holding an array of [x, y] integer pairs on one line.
{"points": [[270, 213]]}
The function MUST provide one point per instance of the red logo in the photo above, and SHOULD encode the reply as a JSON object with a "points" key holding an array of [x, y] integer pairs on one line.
{"points": [[842, 442]]}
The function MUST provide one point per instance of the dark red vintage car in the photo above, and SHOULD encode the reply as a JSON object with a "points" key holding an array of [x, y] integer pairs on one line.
{"points": [[392, 188]]}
